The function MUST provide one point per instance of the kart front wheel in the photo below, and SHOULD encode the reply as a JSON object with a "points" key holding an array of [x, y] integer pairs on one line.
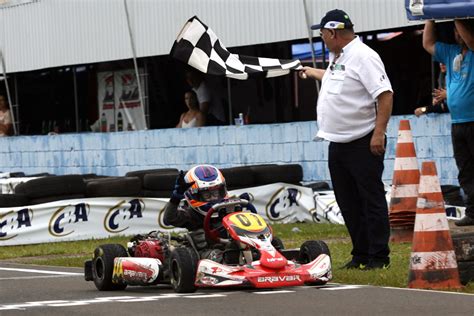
{"points": [[183, 266], [103, 266], [311, 249]]}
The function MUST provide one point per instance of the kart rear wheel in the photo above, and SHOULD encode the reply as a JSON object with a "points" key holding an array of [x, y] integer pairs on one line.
{"points": [[103, 266], [183, 266], [311, 249]]}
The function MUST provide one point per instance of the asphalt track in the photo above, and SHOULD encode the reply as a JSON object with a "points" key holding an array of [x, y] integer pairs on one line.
{"points": [[39, 290]]}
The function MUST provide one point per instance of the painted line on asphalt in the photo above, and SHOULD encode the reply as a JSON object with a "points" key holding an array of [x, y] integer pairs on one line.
{"points": [[344, 287], [205, 295], [35, 277], [40, 271], [422, 290], [273, 292]]}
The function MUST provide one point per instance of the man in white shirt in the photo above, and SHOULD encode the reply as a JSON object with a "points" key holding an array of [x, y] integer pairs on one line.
{"points": [[354, 106]]}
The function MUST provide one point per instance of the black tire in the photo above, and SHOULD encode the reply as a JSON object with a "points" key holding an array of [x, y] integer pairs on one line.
{"points": [[103, 266], [160, 181], [464, 246], [311, 249], [268, 174], [48, 199], [466, 272], [156, 194], [238, 177], [52, 186], [142, 173], [183, 266], [113, 187], [12, 200], [278, 243]]}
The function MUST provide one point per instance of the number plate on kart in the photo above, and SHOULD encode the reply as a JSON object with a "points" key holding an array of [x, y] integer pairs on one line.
{"points": [[248, 221]]}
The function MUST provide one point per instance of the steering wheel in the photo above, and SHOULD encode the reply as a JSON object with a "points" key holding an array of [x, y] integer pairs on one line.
{"points": [[214, 233]]}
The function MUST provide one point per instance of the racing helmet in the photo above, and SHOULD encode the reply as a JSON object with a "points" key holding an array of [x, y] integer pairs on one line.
{"points": [[208, 188]]}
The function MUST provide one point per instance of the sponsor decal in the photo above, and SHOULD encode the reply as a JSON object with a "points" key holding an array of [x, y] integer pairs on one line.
{"points": [[63, 221], [14, 222], [117, 274], [117, 218], [279, 278], [282, 203], [274, 259], [208, 280]]}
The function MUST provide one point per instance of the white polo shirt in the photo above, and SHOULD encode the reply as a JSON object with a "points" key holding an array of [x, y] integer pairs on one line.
{"points": [[349, 90]]}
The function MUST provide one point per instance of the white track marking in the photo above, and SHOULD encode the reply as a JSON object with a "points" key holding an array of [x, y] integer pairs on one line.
{"points": [[344, 287], [431, 291], [40, 271], [273, 292], [35, 277], [205, 295]]}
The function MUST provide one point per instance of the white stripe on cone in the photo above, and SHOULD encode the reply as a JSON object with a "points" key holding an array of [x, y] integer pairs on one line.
{"points": [[429, 184], [405, 136], [405, 163], [431, 222], [437, 260], [405, 190], [424, 204]]}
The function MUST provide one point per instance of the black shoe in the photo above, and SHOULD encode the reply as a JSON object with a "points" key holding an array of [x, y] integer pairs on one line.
{"points": [[465, 221], [354, 265], [377, 265]]}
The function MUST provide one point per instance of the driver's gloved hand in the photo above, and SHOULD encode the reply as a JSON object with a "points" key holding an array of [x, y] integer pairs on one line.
{"points": [[249, 206], [180, 187]]}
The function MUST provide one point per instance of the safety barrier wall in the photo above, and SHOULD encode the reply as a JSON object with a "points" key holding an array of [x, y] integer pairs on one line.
{"points": [[115, 154]]}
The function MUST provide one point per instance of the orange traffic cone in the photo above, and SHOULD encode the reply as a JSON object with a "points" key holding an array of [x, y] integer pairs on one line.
{"points": [[433, 260], [404, 193]]}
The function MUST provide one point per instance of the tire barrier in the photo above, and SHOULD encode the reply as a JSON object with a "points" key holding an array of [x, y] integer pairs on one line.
{"points": [[464, 249], [162, 181], [12, 200], [144, 183], [52, 186], [115, 186], [142, 173]]}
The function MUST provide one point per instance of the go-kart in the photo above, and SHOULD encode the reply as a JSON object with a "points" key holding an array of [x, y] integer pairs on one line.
{"points": [[249, 256]]}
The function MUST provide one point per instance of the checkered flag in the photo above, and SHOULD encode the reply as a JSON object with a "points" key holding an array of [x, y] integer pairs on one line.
{"points": [[199, 47]]}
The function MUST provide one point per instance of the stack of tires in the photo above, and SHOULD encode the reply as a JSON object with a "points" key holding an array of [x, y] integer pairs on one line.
{"points": [[158, 183], [113, 187], [257, 175], [464, 248], [51, 188]]}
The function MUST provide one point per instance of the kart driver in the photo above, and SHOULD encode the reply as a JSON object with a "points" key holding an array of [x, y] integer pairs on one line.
{"points": [[194, 194]]}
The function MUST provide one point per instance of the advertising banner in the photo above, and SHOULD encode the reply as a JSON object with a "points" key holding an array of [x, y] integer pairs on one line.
{"points": [[120, 108], [439, 9], [88, 218]]}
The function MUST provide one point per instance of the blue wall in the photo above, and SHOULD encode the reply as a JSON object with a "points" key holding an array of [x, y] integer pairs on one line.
{"points": [[118, 153]]}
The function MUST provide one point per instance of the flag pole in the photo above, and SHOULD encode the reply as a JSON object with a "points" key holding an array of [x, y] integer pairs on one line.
{"points": [[310, 37]]}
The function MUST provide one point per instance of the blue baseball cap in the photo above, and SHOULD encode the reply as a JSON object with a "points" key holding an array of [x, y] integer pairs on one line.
{"points": [[335, 19]]}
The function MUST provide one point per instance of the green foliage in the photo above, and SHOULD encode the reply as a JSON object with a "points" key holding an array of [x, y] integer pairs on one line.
{"points": [[74, 253]]}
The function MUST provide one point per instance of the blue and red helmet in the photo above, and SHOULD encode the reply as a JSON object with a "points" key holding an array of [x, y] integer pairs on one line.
{"points": [[208, 187]]}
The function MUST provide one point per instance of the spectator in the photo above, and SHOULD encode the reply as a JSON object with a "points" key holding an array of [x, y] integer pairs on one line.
{"points": [[193, 117], [354, 106], [459, 62], [438, 104], [6, 125], [209, 103]]}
